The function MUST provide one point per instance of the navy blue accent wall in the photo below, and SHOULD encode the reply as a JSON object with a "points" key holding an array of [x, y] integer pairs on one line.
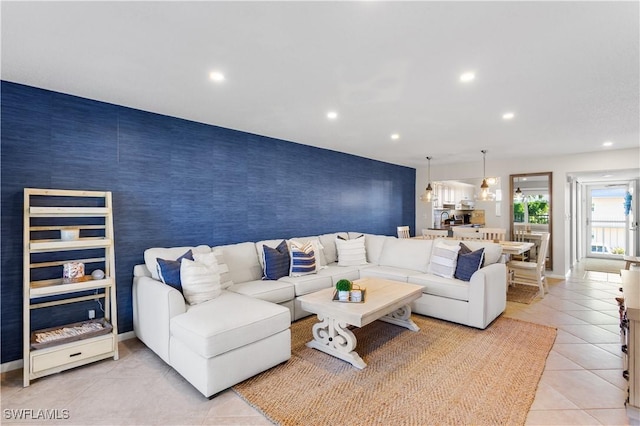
{"points": [[177, 182]]}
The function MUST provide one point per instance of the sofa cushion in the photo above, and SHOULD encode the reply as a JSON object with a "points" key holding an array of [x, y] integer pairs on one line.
{"points": [[169, 270], [373, 245], [443, 287], [276, 261], [337, 273], [228, 322], [200, 278], [303, 259], [275, 291], [243, 262], [468, 263], [443, 258], [388, 272], [308, 283], [351, 252], [168, 253], [406, 253]]}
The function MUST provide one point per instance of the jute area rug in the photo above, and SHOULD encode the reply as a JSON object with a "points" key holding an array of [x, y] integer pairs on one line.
{"points": [[444, 374]]}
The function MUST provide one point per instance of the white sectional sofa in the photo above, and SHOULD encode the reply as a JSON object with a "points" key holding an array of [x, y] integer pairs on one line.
{"points": [[245, 330]]}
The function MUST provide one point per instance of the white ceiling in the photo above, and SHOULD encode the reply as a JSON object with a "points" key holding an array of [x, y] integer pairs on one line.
{"points": [[569, 70]]}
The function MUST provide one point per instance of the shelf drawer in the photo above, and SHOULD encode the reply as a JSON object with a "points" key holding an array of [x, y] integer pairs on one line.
{"points": [[70, 353]]}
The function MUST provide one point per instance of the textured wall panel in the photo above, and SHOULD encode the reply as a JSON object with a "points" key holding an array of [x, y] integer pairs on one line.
{"points": [[177, 182]]}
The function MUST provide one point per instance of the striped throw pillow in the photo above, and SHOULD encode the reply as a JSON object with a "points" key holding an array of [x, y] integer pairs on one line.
{"points": [[443, 259], [303, 259]]}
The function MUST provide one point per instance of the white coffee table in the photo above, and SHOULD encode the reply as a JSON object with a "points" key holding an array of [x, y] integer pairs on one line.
{"points": [[384, 300]]}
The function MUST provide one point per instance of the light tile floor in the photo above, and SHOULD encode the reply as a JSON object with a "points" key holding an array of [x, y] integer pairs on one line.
{"points": [[582, 382]]}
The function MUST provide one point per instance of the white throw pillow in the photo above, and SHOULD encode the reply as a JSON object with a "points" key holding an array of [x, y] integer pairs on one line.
{"points": [[351, 252], [200, 278], [223, 269], [444, 258]]}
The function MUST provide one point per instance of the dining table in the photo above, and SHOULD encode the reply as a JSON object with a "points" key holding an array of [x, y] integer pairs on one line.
{"points": [[515, 247]]}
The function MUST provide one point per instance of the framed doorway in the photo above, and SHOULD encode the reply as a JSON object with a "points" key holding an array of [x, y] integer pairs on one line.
{"points": [[607, 235]]}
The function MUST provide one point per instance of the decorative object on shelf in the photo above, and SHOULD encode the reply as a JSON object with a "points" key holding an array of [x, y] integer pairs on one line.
{"points": [[72, 272], [69, 234], [428, 192], [98, 274], [69, 333], [485, 194], [344, 288]]}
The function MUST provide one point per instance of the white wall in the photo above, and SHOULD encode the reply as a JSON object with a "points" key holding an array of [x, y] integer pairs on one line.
{"points": [[561, 200]]}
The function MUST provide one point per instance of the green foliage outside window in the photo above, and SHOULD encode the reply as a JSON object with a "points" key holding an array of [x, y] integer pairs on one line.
{"points": [[538, 210]]}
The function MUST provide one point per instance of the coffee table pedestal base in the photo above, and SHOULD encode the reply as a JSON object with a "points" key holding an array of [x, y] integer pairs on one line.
{"points": [[333, 337], [401, 317]]}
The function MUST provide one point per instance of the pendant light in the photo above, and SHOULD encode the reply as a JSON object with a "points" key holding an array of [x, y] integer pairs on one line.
{"points": [[518, 194], [484, 187], [428, 193]]}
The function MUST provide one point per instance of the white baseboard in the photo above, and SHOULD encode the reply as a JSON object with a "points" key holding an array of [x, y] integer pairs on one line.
{"points": [[17, 364], [126, 336], [11, 365]]}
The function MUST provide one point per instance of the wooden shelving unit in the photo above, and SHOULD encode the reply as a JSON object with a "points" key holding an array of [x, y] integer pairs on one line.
{"points": [[46, 213]]}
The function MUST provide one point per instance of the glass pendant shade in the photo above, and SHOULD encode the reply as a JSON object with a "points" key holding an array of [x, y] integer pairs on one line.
{"points": [[518, 195], [428, 192], [484, 187]]}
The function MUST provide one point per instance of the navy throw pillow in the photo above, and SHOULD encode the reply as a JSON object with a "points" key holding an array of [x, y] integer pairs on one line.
{"points": [[466, 250], [468, 263], [276, 261], [169, 270]]}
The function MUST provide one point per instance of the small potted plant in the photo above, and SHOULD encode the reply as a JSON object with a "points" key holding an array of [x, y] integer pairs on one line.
{"points": [[344, 288]]}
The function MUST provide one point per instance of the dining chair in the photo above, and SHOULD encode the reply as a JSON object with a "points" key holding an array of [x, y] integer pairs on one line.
{"points": [[403, 232], [462, 233], [431, 234], [519, 232], [493, 234], [531, 273]]}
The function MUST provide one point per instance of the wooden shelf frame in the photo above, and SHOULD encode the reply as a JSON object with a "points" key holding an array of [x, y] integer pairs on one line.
{"points": [[60, 217]]}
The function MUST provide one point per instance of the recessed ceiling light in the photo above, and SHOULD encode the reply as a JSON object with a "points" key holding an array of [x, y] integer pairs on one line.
{"points": [[332, 115], [508, 115], [607, 143], [467, 77], [395, 136], [216, 76]]}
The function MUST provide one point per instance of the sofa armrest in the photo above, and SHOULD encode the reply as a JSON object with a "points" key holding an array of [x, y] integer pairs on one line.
{"points": [[154, 304], [487, 294]]}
